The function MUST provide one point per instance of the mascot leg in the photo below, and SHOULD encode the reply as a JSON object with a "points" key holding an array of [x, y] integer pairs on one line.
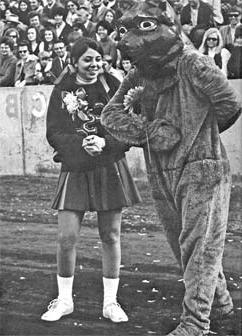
{"points": [[204, 222]]}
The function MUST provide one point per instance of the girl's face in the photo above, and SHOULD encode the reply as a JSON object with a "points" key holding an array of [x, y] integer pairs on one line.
{"points": [[48, 36], [71, 7], [31, 34], [89, 64], [126, 65], [23, 6], [109, 17], [212, 40], [102, 32], [2, 6]]}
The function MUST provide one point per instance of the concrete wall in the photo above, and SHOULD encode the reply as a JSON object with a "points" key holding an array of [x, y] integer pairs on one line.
{"points": [[24, 149]]}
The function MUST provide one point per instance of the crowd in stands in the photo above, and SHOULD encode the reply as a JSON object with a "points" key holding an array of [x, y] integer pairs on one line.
{"points": [[36, 35]]}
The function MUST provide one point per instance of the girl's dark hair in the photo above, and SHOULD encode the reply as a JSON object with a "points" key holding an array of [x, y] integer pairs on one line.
{"points": [[106, 25], [37, 33], [82, 45]]}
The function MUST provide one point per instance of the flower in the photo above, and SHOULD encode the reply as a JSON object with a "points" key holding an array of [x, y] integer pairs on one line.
{"points": [[76, 103], [132, 97]]}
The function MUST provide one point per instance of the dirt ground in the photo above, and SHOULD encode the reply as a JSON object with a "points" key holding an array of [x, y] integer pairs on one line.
{"points": [[151, 287]]}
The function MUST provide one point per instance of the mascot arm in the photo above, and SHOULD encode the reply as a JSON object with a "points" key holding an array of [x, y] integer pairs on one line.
{"points": [[209, 79], [124, 126], [131, 128]]}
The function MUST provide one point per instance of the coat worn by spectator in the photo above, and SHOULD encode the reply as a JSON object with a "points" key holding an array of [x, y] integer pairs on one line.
{"points": [[7, 62]]}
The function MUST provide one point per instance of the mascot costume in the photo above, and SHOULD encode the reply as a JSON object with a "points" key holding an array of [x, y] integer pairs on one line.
{"points": [[174, 104]]}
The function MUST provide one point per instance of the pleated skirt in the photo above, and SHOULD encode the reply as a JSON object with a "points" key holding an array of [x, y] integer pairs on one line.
{"points": [[104, 188]]}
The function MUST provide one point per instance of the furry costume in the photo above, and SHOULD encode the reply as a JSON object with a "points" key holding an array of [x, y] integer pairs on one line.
{"points": [[186, 101]]}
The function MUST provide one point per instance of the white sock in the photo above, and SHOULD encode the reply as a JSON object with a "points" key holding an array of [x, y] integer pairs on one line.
{"points": [[110, 289], [65, 287]]}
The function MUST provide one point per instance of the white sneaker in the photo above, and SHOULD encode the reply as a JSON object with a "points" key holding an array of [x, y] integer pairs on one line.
{"points": [[115, 313], [56, 309]]}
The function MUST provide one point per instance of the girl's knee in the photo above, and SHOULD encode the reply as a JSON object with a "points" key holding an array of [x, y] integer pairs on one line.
{"points": [[110, 238], [67, 240]]}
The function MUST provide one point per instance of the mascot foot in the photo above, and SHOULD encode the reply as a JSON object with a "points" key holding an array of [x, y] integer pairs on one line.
{"points": [[187, 330]]}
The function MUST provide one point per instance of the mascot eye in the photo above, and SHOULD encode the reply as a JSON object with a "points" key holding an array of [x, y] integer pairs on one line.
{"points": [[122, 30], [147, 25]]}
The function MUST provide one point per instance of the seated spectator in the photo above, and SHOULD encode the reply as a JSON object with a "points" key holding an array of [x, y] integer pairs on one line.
{"points": [[25, 67], [196, 12], [61, 60], [212, 45], [34, 21], [62, 29], [14, 35], [43, 74], [108, 67], [48, 40], [235, 61], [84, 18], [32, 36], [103, 30], [23, 11], [71, 10], [7, 62], [228, 31], [99, 10]]}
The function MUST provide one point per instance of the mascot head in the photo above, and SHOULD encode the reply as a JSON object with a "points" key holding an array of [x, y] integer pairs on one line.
{"points": [[151, 37]]}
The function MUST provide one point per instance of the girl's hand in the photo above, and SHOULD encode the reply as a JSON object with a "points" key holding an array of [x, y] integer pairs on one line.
{"points": [[93, 144]]}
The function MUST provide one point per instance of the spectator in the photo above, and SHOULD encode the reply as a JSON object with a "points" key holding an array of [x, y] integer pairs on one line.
{"points": [[48, 12], [126, 64], [25, 67], [7, 62], [43, 73], [23, 11], [62, 29], [34, 21], [235, 61], [79, 27], [71, 9], [212, 45], [99, 10], [14, 35], [61, 60], [33, 39], [3, 8], [84, 18], [108, 67], [196, 12], [12, 21], [48, 41], [103, 30], [35, 6], [228, 31]]}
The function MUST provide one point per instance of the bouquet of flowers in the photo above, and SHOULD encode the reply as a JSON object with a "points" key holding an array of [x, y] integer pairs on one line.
{"points": [[76, 104]]}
